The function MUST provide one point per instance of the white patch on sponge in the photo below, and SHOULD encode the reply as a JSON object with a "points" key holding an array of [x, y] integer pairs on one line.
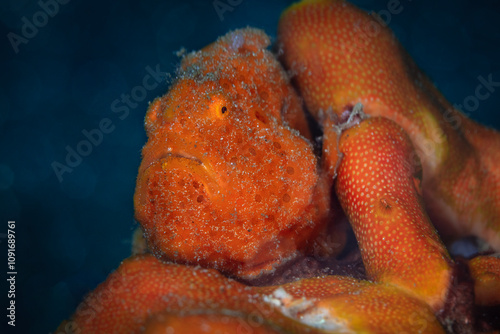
{"points": [[305, 311]]}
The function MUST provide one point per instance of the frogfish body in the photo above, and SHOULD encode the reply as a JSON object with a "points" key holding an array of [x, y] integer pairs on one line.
{"points": [[227, 179]]}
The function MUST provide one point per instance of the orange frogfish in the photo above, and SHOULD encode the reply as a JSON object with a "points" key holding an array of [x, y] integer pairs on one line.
{"points": [[227, 179]]}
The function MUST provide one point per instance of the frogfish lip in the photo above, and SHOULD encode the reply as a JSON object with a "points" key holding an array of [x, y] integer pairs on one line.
{"points": [[180, 161], [172, 155]]}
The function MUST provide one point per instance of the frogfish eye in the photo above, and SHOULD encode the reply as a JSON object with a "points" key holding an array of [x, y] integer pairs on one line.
{"points": [[218, 107]]}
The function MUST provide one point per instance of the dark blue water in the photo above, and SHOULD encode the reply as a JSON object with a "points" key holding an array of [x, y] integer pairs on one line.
{"points": [[73, 73]]}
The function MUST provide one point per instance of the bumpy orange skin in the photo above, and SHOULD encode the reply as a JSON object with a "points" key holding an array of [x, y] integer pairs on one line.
{"points": [[344, 305], [485, 270], [225, 181], [147, 295], [374, 308], [378, 185], [211, 323], [342, 56], [143, 286]]}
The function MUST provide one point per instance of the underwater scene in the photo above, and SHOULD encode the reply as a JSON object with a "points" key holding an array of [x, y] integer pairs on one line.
{"points": [[235, 166]]}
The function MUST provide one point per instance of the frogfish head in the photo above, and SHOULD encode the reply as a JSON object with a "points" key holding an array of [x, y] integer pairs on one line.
{"points": [[227, 181]]}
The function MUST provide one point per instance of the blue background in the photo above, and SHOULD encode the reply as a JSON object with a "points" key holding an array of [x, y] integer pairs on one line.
{"points": [[71, 234]]}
